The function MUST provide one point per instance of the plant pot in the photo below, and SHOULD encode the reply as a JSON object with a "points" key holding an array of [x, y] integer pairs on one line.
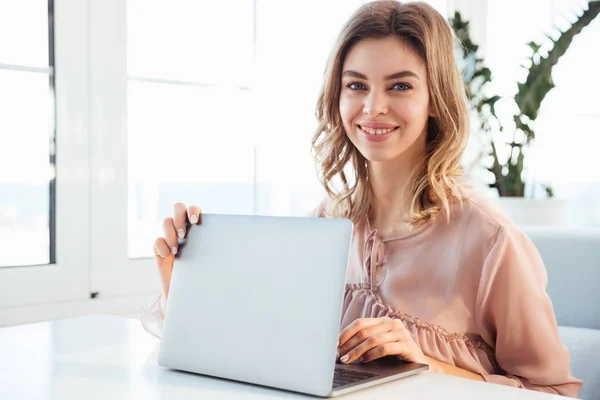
{"points": [[535, 212]]}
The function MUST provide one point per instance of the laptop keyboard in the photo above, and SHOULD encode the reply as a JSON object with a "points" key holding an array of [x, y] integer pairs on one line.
{"points": [[342, 377]]}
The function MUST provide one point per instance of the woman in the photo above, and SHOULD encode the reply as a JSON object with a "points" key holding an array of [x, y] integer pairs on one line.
{"points": [[435, 275]]}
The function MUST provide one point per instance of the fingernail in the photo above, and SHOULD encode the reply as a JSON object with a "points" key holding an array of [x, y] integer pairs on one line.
{"points": [[180, 233], [194, 219], [174, 250], [345, 358]]}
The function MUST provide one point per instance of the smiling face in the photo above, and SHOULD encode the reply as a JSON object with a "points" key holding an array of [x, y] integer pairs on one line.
{"points": [[384, 99], [399, 73]]}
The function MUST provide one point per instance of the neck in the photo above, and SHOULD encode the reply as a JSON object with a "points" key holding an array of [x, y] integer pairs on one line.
{"points": [[391, 196], [389, 181]]}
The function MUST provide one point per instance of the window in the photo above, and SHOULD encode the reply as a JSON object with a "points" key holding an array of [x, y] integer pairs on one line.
{"points": [[190, 110], [44, 156], [27, 153]]}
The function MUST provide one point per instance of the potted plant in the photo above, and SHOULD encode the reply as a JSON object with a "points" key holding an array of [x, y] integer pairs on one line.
{"points": [[508, 173]]}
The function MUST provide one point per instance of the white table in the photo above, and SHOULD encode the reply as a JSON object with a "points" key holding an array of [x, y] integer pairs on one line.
{"points": [[108, 357]]}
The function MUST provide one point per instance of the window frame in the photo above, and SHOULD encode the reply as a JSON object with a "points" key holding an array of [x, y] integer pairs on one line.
{"points": [[67, 277]]}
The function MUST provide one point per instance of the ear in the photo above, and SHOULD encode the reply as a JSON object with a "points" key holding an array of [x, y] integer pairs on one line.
{"points": [[432, 111]]}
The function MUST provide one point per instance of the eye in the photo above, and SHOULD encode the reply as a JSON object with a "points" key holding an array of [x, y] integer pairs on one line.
{"points": [[402, 87], [355, 86]]}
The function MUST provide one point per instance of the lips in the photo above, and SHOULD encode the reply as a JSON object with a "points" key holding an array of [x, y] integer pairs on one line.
{"points": [[376, 131], [376, 135], [376, 125]]}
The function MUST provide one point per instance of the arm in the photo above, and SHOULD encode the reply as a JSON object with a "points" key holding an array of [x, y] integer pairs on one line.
{"points": [[165, 249], [515, 316], [447, 369], [152, 319]]}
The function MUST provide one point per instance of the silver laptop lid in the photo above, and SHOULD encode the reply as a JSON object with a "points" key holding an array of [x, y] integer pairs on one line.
{"points": [[259, 299]]}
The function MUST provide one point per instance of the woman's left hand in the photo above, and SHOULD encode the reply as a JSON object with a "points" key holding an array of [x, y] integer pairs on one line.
{"points": [[367, 339]]}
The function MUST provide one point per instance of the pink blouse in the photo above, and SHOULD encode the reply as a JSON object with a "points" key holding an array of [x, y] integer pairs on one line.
{"points": [[471, 293]]}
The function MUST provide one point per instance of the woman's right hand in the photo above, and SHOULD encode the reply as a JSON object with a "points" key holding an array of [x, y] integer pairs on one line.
{"points": [[166, 247]]}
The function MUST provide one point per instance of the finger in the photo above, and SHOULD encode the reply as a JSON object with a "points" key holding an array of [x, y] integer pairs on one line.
{"points": [[194, 214], [392, 348], [179, 219], [372, 343], [164, 263], [355, 327], [170, 234], [363, 335], [161, 248], [398, 325]]}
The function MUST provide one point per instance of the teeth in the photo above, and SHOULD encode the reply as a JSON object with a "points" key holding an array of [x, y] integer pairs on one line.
{"points": [[376, 131]]}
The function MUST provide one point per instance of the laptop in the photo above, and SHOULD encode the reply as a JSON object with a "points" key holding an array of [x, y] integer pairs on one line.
{"points": [[258, 299]]}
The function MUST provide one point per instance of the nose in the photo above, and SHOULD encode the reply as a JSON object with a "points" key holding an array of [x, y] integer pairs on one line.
{"points": [[375, 103]]}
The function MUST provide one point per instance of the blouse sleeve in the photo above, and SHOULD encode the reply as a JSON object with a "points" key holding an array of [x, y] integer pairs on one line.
{"points": [[321, 210], [515, 316], [152, 319]]}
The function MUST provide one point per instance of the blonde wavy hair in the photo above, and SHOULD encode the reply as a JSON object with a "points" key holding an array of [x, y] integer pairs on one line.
{"points": [[438, 179]]}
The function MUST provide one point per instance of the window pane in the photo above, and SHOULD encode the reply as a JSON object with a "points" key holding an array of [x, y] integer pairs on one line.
{"points": [[191, 40], [189, 144], [26, 129], [24, 32]]}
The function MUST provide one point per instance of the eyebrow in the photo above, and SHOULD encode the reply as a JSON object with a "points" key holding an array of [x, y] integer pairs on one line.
{"points": [[396, 75]]}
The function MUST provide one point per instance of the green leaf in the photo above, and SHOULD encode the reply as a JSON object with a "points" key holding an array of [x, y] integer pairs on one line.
{"points": [[538, 83], [550, 37], [534, 46], [484, 72]]}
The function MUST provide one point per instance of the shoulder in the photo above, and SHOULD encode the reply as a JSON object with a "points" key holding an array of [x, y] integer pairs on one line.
{"points": [[323, 209], [485, 212], [483, 222], [509, 250]]}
